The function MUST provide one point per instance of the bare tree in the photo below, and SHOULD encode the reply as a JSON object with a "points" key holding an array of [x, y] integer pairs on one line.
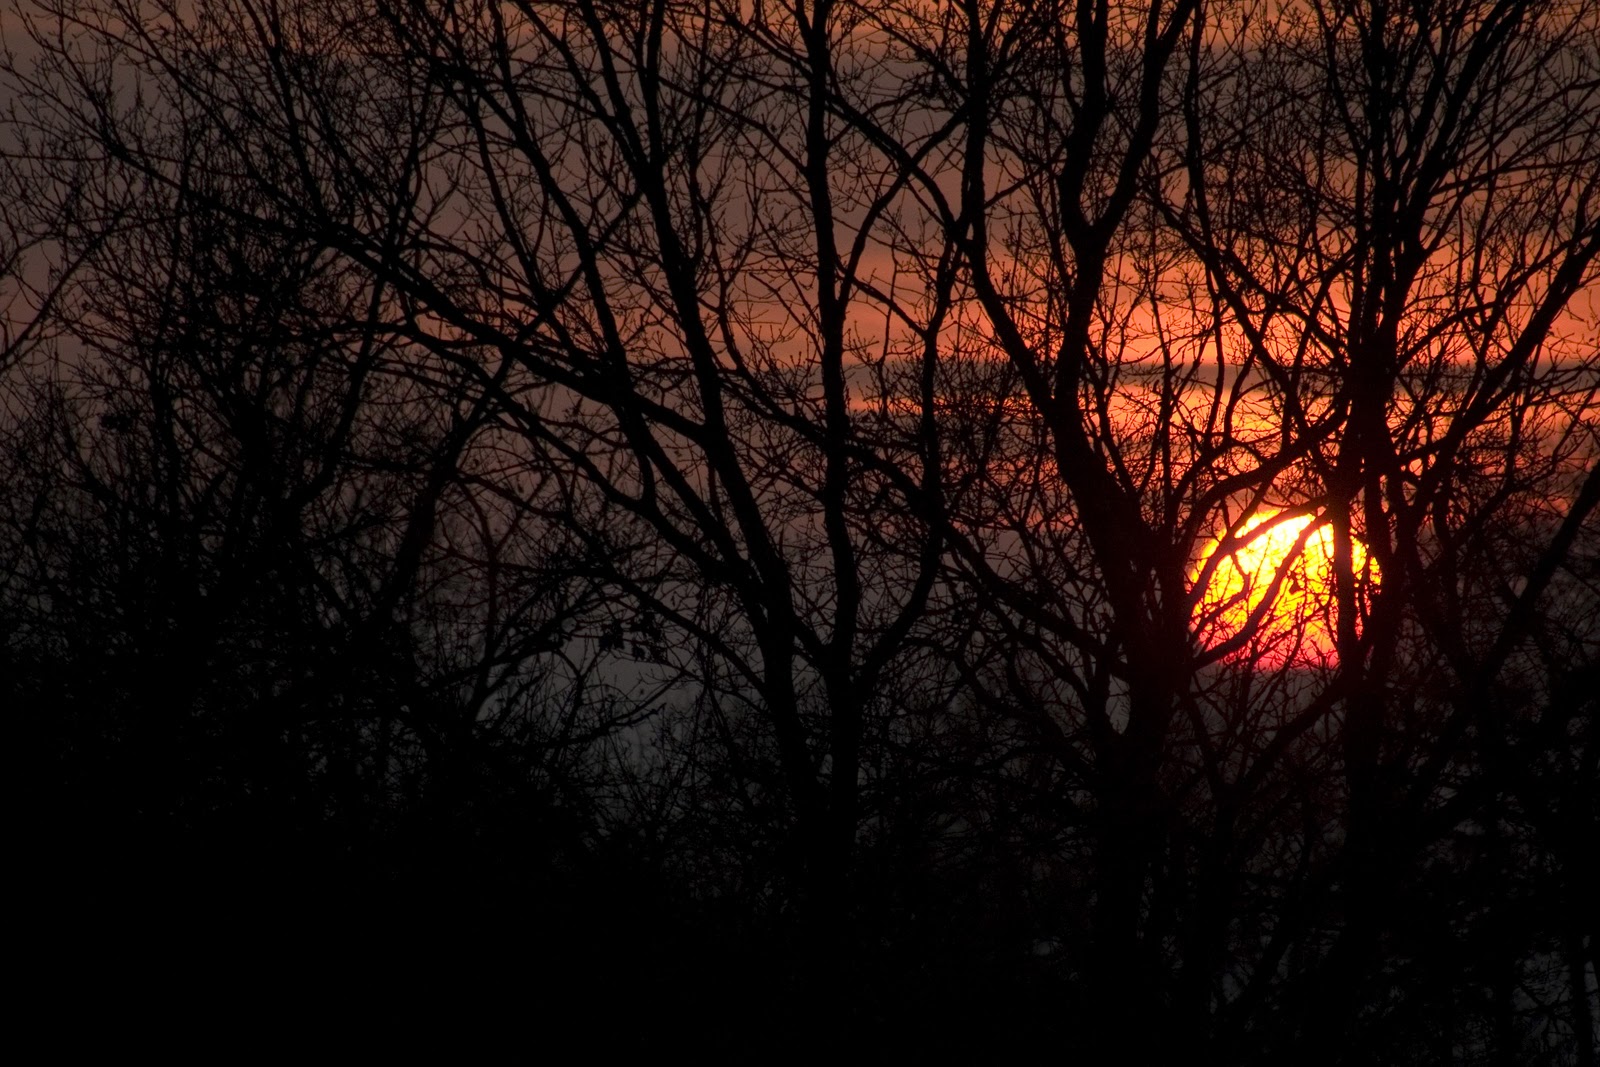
{"points": [[256, 594], [825, 442]]}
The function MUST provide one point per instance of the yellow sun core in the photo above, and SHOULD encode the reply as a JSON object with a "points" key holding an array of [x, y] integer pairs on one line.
{"points": [[1286, 564]]}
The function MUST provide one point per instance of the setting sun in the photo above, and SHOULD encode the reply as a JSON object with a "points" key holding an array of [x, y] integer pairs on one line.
{"points": [[1290, 560]]}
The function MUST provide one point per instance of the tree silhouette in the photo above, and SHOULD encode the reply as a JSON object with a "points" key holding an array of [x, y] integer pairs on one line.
{"points": [[800, 461]]}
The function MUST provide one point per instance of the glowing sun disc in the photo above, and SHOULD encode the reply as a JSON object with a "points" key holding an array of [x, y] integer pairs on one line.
{"points": [[1299, 625]]}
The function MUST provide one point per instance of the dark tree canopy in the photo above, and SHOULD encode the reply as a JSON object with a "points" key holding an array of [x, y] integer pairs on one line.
{"points": [[846, 524]]}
